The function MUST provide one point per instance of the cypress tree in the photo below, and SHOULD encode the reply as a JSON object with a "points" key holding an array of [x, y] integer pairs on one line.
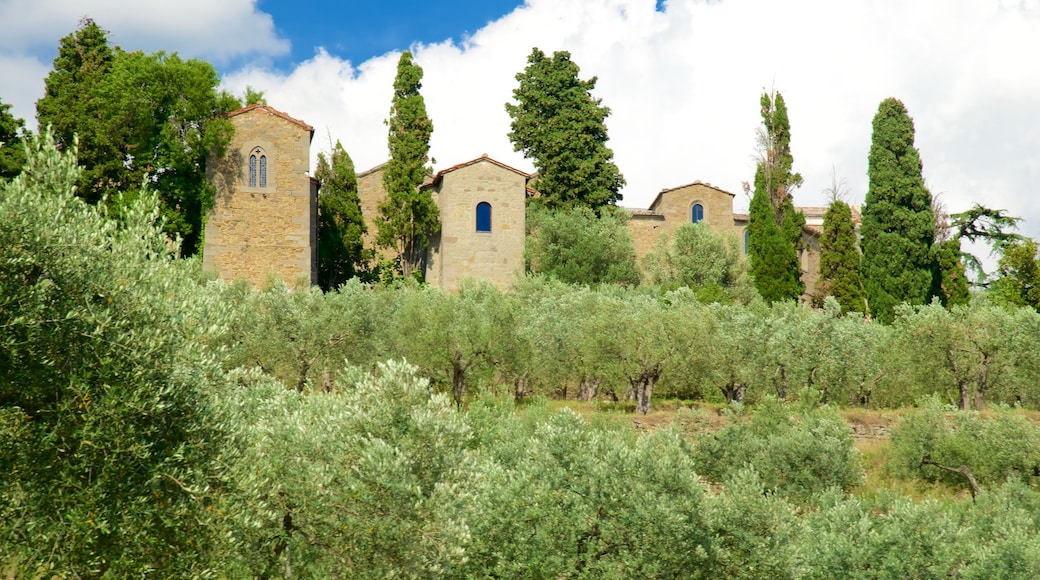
{"points": [[898, 227], [839, 258], [410, 217], [774, 226], [341, 226], [12, 151], [558, 124]]}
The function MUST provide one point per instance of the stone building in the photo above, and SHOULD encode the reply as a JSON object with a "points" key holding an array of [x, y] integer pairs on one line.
{"points": [[482, 207], [264, 221]]}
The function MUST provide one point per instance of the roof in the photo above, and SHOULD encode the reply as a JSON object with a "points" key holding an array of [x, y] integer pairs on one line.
{"points": [[701, 183], [440, 174], [272, 111], [368, 172]]}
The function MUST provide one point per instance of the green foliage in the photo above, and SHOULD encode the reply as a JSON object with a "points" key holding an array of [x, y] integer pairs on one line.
{"points": [[698, 258], [989, 225], [994, 447], [774, 227], [839, 259], [950, 280], [138, 117], [898, 226], [558, 124], [253, 97], [12, 151], [577, 246], [109, 449], [797, 457], [341, 226], [1018, 275], [409, 216]]}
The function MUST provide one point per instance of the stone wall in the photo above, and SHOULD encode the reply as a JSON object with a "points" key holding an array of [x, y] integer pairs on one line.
{"points": [[461, 251], [672, 208], [257, 232]]}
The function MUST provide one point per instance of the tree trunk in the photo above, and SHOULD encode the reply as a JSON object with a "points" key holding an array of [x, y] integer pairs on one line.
{"points": [[589, 388], [963, 470], [643, 387], [781, 384], [734, 392], [520, 387], [982, 383], [458, 379], [305, 367]]}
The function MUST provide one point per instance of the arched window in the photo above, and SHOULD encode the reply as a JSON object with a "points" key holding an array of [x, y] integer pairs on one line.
{"points": [[252, 170], [697, 213], [483, 217], [263, 171]]}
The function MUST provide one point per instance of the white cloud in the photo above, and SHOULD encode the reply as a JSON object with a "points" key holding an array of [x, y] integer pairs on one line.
{"points": [[683, 85], [218, 31]]}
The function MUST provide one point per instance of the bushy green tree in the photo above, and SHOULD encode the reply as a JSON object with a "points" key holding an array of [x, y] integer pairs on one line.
{"points": [[409, 218], [341, 226], [898, 226], [139, 117], [774, 226], [796, 455], [577, 246], [560, 126], [949, 277], [698, 258], [1018, 275], [839, 259], [110, 443], [12, 152]]}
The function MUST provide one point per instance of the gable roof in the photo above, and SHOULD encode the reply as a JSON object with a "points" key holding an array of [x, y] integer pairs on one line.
{"points": [[698, 182], [440, 174], [272, 111], [372, 170]]}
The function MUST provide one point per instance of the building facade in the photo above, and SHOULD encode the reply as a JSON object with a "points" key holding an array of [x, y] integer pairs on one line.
{"points": [[264, 220]]}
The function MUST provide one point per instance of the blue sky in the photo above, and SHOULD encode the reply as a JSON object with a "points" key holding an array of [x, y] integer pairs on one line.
{"points": [[357, 30], [682, 78]]}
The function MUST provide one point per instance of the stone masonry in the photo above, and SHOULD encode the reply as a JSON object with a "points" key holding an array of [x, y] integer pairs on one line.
{"points": [[264, 222]]}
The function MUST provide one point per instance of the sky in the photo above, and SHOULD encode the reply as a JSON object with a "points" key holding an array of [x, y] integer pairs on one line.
{"points": [[682, 78]]}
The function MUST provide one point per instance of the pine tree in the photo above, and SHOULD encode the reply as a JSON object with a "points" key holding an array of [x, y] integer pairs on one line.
{"points": [[341, 226], [558, 124], [898, 227], [839, 258], [410, 217], [774, 226]]}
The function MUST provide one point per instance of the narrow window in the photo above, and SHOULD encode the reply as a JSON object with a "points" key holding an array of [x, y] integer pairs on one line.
{"points": [[483, 217], [252, 171], [747, 237], [263, 171], [697, 213]]}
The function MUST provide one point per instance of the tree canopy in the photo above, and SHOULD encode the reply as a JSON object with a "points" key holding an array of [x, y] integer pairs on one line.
{"points": [[341, 226], [12, 152], [560, 126], [898, 227], [409, 215], [839, 259], [775, 227], [139, 117]]}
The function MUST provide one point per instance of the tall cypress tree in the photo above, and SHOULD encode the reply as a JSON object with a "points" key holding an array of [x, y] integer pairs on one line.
{"points": [[775, 227], [410, 217], [562, 127], [341, 226], [839, 258], [898, 227]]}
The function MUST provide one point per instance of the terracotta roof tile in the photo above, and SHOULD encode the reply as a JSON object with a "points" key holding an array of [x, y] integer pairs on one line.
{"points": [[272, 111]]}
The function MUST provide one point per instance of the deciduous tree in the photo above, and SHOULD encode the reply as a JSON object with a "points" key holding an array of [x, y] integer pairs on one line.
{"points": [[410, 217], [561, 126], [898, 227]]}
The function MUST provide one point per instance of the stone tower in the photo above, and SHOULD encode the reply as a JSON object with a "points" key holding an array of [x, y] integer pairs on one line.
{"points": [[264, 221]]}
